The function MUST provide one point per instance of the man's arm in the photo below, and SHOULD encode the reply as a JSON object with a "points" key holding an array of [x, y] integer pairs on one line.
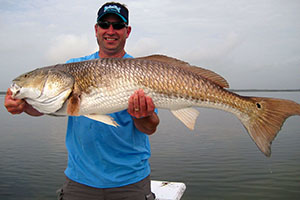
{"points": [[17, 106], [141, 108]]}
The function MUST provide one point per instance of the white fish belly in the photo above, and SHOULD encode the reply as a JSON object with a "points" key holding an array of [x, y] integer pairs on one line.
{"points": [[106, 100]]}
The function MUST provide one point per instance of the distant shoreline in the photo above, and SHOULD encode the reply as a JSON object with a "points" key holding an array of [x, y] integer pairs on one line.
{"points": [[242, 90], [264, 90]]}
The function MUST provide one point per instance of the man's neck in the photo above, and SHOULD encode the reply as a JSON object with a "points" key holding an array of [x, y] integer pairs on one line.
{"points": [[111, 55]]}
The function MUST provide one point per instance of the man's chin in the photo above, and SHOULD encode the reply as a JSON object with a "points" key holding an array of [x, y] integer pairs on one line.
{"points": [[111, 46]]}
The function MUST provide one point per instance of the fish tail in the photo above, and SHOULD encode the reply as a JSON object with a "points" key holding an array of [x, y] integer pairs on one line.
{"points": [[266, 120]]}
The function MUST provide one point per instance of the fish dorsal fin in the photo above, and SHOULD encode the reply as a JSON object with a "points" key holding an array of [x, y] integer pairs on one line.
{"points": [[208, 74], [188, 116], [163, 58], [106, 119]]}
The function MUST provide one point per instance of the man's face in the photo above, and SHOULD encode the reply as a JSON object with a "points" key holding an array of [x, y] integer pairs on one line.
{"points": [[111, 41]]}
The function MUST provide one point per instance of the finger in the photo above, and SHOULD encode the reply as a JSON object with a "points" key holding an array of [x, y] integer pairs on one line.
{"points": [[142, 102], [14, 106], [8, 92], [10, 102], [16, 109], [150, 105], [130, 105], [136, 102], [8, 95]]}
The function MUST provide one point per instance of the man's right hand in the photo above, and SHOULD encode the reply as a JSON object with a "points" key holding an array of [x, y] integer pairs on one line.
{"points": [[17, 106], [14, 106]]}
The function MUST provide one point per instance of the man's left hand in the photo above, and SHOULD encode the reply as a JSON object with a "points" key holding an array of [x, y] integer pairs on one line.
{"points": [[140, 105], [141, 108]]}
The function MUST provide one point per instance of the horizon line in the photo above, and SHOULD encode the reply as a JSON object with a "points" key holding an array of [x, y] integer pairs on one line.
{"points": [[241, 90]]}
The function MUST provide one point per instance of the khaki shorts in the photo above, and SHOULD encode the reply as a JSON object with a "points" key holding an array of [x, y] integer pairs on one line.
{"points": [[75, 191]]}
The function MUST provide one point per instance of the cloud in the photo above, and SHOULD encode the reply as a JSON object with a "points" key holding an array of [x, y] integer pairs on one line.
{"points": [[144, 46], [64, 47], [213, 49], [233, 38]]}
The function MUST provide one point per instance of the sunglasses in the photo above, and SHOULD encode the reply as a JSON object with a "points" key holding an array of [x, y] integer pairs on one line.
{"points": [[115, 25]]}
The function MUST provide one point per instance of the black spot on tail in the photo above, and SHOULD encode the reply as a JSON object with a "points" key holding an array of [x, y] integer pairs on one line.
{"points": [[258, 105]]}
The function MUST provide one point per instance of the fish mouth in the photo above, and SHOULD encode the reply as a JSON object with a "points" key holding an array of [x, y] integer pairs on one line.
{"points": [[15, 89]]}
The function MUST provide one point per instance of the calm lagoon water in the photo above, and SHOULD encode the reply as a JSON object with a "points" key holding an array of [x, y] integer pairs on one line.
{"points": [[217, 160]]}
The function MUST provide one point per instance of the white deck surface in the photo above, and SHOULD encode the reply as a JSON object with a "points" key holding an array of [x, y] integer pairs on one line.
{"points": [[165, 190]]}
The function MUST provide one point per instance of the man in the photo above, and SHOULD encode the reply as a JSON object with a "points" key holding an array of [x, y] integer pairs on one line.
{"points": [[105, 162]]}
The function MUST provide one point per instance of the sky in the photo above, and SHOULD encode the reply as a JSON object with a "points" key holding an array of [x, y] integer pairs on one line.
{"points": [[252, 44]]}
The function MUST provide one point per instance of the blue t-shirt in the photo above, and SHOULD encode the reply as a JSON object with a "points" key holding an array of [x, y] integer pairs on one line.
{"points": [[104, 156]]}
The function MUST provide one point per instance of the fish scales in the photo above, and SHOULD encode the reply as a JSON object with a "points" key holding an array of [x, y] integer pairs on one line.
{"points": [[181, 88], [130, 74], [95, 88]]}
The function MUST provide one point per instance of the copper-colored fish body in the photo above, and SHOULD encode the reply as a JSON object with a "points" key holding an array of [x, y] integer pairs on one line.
{"points": [[97, 87]]}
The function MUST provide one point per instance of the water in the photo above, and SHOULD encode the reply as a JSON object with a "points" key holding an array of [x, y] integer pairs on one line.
{"points": [[216, 161]]}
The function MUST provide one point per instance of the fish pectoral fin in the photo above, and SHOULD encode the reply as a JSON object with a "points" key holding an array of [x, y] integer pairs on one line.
{"points": [[73, 105], [106, 119], [187, 116]]}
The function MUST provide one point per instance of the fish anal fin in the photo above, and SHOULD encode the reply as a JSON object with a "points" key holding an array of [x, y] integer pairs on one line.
{"points": [[208, 74], [106, 119], [267, 120], [187, 116]]}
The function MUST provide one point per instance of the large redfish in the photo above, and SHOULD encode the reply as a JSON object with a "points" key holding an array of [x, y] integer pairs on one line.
{"points": [[97, 87]]}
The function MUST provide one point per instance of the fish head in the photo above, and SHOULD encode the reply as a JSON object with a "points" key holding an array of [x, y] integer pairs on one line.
{"points": [[46, 89], [29, 85]]}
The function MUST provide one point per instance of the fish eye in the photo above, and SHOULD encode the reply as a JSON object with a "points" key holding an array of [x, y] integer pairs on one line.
{"points": [[258, 105]]}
